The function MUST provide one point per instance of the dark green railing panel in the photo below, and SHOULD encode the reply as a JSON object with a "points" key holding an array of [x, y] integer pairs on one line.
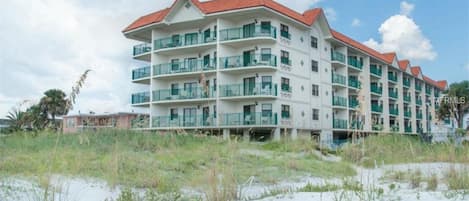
{"points": [[242, 33], [392, 77], [339, 101], [375, 70], [138, 98], [337, 56], [252, 60], [249, 119], [356, 63], [258, 89], [340, 124], [338, 79], [353, 82], [376, 108], [184, 40], [187, 66], [140, 73], [183, 94], [142, 49], [181, 121]]}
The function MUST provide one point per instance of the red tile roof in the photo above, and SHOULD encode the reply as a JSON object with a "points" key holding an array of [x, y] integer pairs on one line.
{"points": [[215, 6], [403, 64], [357, 45], [389, 57], [416, 70]]}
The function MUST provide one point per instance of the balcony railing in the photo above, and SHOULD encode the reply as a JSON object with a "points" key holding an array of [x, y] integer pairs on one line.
{"points": [[286, 88], [337, 56], [180, 121], [139, 98], [407, 114], [249, 32], [354, 62], [394, 111], [338, 79], [142, 49], [377, 90], [140, 73], [392, 77], [408, 129], [418, 101], [376, 108], [188, 66], [258, 89], [393, 93], [428, 90], [285, 61], [407, 98], [339, 101], [340, 123], [249, 119], [418, 87], [353, 82], [406, 82], [419, 115], [248, 61], [183, 94], [375, 70], [436, 94], [353, 102], [185, 40], [285, 34]]}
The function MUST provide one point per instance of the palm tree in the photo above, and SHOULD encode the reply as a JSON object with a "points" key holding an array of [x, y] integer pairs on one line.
{"points": [[17, 118], [54, 103]]}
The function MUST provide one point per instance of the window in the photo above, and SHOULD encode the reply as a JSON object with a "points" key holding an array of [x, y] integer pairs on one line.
{"points": [[316, 114], [214, 111], [191, 39], [173, 113], [215, 84], [285, 57], [314, 42], [285, 111], [266, 82], [315, 90], [207, 61], [265, 27], [174, 89], [174, 64], [314, 65], [266, 110], [285, 84], [284, 31]]}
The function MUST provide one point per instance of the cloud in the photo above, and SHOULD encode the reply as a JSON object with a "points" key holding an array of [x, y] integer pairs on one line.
{"points": [[331, 14], [299, 5], [356, 22], [400, 33], [406, 8]]}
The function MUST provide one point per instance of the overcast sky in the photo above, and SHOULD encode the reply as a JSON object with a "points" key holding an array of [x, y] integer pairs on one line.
{"points": [[50, 43]]}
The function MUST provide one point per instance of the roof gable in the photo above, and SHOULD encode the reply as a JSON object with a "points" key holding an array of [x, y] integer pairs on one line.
{"points": [[416, 71], [181, 10]]}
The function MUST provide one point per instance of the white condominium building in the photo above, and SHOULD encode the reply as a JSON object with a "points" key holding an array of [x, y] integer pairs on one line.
{"points": [[257, 67]]}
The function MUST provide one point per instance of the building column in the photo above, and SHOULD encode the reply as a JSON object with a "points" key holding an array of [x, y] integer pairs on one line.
{"points": [[246, 135], [276, 134], [294, 134], [226, 134]]}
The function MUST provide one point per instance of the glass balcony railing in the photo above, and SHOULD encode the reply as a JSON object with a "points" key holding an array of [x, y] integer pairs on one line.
{"points": [[375, 70], [248, 61], [142, 49], [337, 56], [419, 115], [188, 66], [285, 61], [340, 123], [392, 77], [248, 32], [394, 111], [338, 79], [285, 34], [418, 101], [258, 89], [185, 40], [249, 119], [180, 121], [436, 94], [140, 73], [353, 82], [354, 62], [407, 114], [406, 82], [408, 129], [353, 102], [407, 98], [418, 87], [139, 98], [183, 94], [393, 93], [339, 101], [376, 89], [428, 90], [376, 108]]}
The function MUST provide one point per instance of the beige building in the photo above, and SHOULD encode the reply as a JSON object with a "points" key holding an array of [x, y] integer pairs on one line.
{"points": [[93, 122]]}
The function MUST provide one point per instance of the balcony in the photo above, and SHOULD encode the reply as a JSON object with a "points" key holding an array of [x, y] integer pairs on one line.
{"points": [[393, 93], [285, 34], [254, 90], [141, 98], [338, 79], [376, 90], [286, 88], [376, 108], [180, 121], [172, 95], [249, 62], [339, 101], [337, 56], [428, 90], [392, 77], [407, 98], [394, 111], [355, 63], [340, 124], [353, 102], [406, 82], [249, 119], [419, 115], [141, 73], [436, 93], [353, 82], [142, 49], [418, 101], [374, 70], [407, 114], [408, 129], [248, 32], [418, 87], [186, 40], [285, 61], [184, 67]]}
